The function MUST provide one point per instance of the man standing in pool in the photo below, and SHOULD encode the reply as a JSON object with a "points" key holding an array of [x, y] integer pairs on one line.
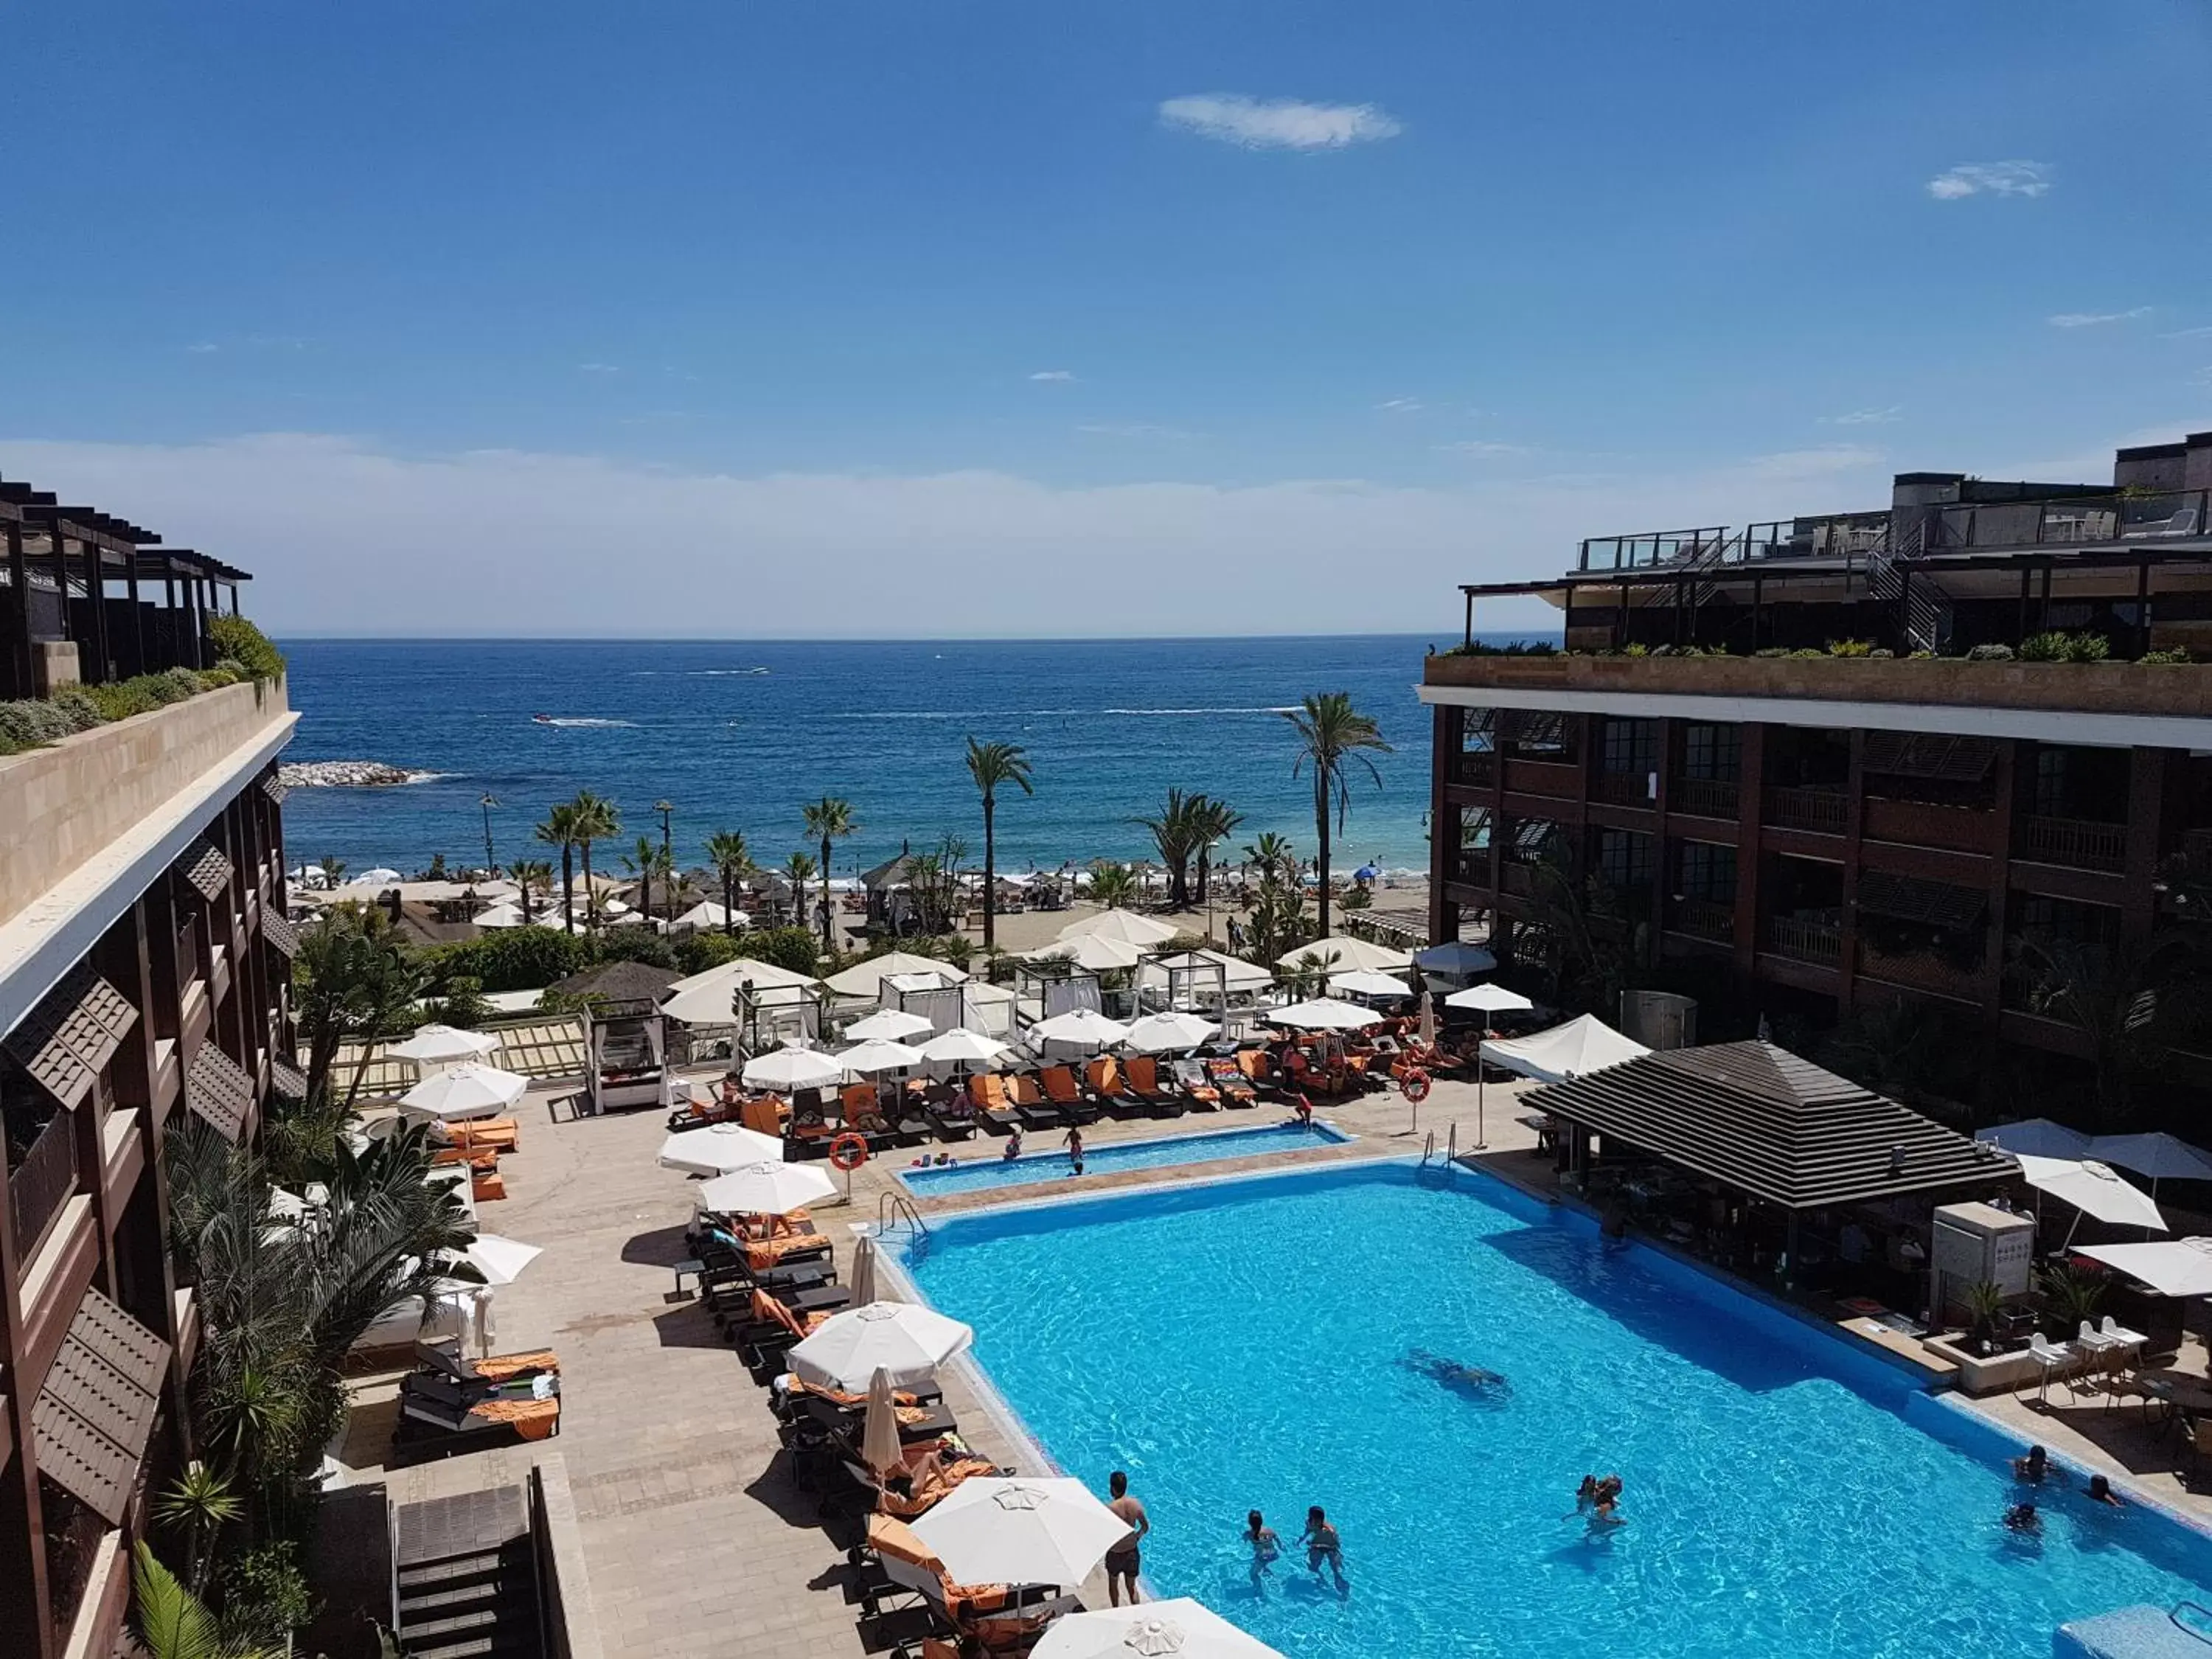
{"points": [[1323, 1545], [1075, 1144], [1123, 1561]]}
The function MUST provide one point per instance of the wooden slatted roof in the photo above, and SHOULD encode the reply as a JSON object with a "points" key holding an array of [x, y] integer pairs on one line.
{"points": [[218, 1091], [71, 1034], [96, 1408], [1764, 1121]]}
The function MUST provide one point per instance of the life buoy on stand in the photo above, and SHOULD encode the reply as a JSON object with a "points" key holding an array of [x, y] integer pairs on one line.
{"points": [[1414, 1084], [849, 1152]]}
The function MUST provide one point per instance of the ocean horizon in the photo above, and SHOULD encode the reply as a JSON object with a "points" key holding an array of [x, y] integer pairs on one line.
{"points": [[739, 734]]}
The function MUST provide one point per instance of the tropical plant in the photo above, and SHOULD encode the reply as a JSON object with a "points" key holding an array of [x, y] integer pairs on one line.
{"points": [[734, 861], [827, 820], [238, 640], [794, 948], [1176, 831], [649, 864], [1277, 922], [1216, 822], [1113, 886], [994, 765], [529, 874], [198, 1503], [800, 869], [1589, 952], [559, 830], [170, 1621], [2071, 1295], [334, 870], [1984, 1303], [597, 819], [2109, 991], [1272, 855], [352, 979], [1333, 737]]}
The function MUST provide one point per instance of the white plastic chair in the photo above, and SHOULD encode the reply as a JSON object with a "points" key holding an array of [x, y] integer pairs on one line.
{"points": [[2051, 1358]]}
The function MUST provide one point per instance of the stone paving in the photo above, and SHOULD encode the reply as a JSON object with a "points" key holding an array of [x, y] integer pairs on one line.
{"points": [[697, 1539]]}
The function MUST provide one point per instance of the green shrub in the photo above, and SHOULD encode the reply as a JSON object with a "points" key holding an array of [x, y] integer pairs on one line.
{"points": [[702, 950], [1635, 650], [513, 958], [1771, 651], [78, 707], [1850, 647], [2087, 648], [175, 684], [2046, 647], [247, 645], [633, 945], [1991, 653], [1922, 656], [2164, 659], [1809, 655], [265, 1596], [786, 947], [31, 721], [221, 674], [1881, 654], [1512, 648], [120, 700]]}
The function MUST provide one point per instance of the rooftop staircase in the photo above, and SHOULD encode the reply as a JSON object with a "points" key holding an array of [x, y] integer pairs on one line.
{"points": [[467, 1578]]}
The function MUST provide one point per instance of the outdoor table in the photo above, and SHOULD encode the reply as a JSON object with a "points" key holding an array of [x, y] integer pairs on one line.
{"points": [[1542, 1123], [2180, 1391]]}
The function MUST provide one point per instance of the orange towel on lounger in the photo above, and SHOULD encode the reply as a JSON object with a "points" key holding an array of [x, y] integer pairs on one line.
{"points": [[533, 1419], [500, 1366]]}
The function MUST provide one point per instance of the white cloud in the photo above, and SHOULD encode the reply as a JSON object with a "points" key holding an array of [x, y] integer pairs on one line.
{"points": [[1994, 177], [1279, 123], [1865, 416], [600, 369], [201, 347], [1053, 374], [2189, 333], [1398, 406], [2094, 318], [1483, 450], [1133, 429]]}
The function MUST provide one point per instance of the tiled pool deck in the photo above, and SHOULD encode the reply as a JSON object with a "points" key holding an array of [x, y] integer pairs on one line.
{"points": [[696, 1538]]}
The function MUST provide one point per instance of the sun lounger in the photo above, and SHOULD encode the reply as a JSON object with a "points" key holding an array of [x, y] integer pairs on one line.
{"points": [[1104, 1081], [491, 1134], [1228, 1077], [1146, 1085], [1198, 1093], [444, 1358], [1028, 1099], [953, 1120], [439, 1417], [986, 1093], [1061, 1089], [916, 1422], [774, 1326], [932, 1469], [995, 1615], [1260, 1070]]}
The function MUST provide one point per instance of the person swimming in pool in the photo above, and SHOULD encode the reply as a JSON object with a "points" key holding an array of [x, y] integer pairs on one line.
{"points": [[2031, 1468], [1264, 1545], [1075, 1144], [1014, 1149], [2100, 1491], [2022, 1518], [1586, 1495], [1474, 1381], [1322, 1544]]}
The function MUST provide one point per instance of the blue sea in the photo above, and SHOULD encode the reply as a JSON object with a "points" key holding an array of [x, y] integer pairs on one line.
{"points": [[737, 736]]}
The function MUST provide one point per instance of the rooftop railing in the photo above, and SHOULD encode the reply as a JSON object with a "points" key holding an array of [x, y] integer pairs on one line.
{"points": [[2074, 520]]}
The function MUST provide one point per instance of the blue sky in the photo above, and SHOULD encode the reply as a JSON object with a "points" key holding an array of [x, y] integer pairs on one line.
{"points": [[866, 318]]}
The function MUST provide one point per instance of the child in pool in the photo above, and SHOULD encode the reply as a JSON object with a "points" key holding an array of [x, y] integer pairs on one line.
{"points": [[1265, 1547]]}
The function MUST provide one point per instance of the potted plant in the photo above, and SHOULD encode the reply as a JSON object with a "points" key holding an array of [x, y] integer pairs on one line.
{"points": [[1984, 1301]]}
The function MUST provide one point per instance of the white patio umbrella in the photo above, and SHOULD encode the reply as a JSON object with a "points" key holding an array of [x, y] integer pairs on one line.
{"points": [[903, 1339], [433, 1043], [879, 1431], [865, 979], [1456, 959], [962, 1047], [1168, 1034], [2162, 1157], [1489, 1000], [500, 1261], [792, 1067], [1094, 953], [886, 1025], [994, 1530], [2091, 1189], [1428, 1019], [868, 1058], [1342, 953], [498, 916], [766, 1189], [1323, 1014], [1177, 1627], [2172, 1266], [2037, 1137], [718, 1149], [862, 1282], [710, 913], [1086, 1027], [464, 1091], [1368, 982], [1126, 926]]}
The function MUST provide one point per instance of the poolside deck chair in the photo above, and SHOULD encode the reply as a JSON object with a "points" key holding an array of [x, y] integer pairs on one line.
{"points": [[864, 1116], [952, 1117], [774, 1329], [1109, 1089], [985, 1612], [491, 1134], [1260, 1070], [1028, 1099], [1145, 1084], [1061, 1088], [825, 1418], [443, 1357], [439, 1418], [1198, 1092], [1235, 1089], [986, 1093], [932, 1470], [809, 1132]]}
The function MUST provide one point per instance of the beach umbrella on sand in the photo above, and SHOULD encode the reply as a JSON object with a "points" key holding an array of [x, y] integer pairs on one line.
{"points": [[962, 1047], [993, 1530], [1323, 1014], [1168, 1034], [867, 1058], [792, 1067], [902, 1340], [464, 1091], [1125, 926], [718, 1149], [886, 1025], [766, 1189], [1178, 1626], [1083, 1027], [1368, 982], [862, 1282], [436, 1044], [879, 1434]]}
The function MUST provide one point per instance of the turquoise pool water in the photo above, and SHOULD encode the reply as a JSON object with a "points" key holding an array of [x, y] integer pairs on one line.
{"points": [[987, 1168], [1244, 1344]]}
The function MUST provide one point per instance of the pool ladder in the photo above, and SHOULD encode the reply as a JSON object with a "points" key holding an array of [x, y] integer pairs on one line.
{"points": [[1451, 1147], [895, 1208]]}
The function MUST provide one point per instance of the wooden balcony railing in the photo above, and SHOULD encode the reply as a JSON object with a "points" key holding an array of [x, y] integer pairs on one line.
{"points": [[1474, 868], [1802, 940], [1920, 971], [1476, 767], [1708, 798], [2078, 843], [1825, 812], [41, 1182], [1706, 919], [1622, 788]]}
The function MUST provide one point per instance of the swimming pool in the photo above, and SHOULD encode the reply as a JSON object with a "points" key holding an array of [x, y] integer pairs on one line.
{"points": [[1100, 1156], [1243, 1343]]}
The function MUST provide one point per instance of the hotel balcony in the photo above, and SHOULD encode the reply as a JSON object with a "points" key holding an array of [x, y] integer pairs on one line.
{"points": [[1474, 768], [1705, 798], [2077, 843], [1920, 970], [1821, 812], [1704, 919], [1802, 938]]}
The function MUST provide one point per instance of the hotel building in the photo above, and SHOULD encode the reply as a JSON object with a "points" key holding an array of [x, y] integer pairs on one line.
{"points": [[143, 975], [1813, 834]]}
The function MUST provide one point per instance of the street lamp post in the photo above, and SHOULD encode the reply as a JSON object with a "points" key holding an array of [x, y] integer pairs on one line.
{"points": [[1221, 842], [666, 809], [491, 865]]}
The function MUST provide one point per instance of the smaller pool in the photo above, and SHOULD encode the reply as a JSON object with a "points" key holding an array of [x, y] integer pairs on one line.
{"points": [[978, 1173]]}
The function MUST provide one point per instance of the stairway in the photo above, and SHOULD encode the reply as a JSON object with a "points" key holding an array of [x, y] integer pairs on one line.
{"points": [[467, 1578], [1924, 617]]}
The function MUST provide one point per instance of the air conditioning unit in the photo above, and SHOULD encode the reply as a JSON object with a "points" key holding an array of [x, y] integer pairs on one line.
{"points": [[1980, 1243]]}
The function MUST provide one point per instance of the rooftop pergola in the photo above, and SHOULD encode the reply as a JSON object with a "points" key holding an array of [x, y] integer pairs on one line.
{"points": [[58, 556]]}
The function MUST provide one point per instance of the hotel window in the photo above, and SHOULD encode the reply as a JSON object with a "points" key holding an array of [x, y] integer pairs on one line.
{"points": [[1625, 859], [1712, 752], [1630, 746], [1476, 730], [1475, 830], [1704, 870]]}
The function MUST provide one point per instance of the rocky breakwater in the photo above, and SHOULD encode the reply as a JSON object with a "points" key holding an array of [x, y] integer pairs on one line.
{"points": [[346, 774]]}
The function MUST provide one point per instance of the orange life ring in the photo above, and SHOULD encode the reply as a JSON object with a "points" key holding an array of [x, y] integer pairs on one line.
{"points": [[849, 1152], [1414, 1085]]}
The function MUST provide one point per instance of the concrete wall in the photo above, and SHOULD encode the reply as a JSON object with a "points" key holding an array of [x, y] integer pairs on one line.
{"points": [[2089, 688], [59, 806]]}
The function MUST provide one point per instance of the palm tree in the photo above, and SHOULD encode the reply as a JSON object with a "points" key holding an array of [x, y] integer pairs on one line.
{"points": [[829, 819], [199, 1504], [799, 869], [352, 980], [647, 861], [1113, 886], [171, 1621], [1274, 856], [1216, 820], [1331, 737], [529, 873], [333, 871], [559, 831], [1174, 833], [597, 819], [993, 765], [734, 861]]}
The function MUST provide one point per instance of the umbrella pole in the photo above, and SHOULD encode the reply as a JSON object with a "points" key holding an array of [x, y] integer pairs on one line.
{"points": [[1481, 1140]]}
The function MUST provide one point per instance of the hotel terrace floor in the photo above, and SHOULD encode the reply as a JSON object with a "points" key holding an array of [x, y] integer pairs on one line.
{"points": [[696, 1540]]}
